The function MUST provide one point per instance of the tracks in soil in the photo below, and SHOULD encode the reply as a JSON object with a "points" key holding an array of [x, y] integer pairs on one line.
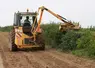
{"points": [[49, 58]]}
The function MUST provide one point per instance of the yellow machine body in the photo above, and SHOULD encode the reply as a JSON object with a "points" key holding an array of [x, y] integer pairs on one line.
{"points": [[20, 39], [26, 32]]}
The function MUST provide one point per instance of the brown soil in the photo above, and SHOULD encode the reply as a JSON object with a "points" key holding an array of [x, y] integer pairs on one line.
{"points": [[49, 58]]}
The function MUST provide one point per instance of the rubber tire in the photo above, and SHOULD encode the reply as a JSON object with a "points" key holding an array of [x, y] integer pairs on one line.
{"points": [[43, 47], [13, 46], [40, 41]]}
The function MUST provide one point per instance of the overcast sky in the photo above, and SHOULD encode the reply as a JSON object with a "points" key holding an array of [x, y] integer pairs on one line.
{"points": [[82, 11]]}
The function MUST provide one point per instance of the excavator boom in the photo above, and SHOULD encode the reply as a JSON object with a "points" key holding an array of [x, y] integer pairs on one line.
{"points": [[54, 14], [64, 26]]}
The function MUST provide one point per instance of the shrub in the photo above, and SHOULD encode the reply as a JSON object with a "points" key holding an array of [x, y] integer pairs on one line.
{"points": [[84, 41], [86, 44], [6, 29], [68, 41], [58, 38], [49, 33]]}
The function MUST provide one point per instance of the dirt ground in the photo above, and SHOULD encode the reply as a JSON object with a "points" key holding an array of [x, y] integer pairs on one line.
{"points": [[49, 58]]}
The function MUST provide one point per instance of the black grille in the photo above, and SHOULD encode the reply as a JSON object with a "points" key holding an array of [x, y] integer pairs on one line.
{"points": [[28, 41]]}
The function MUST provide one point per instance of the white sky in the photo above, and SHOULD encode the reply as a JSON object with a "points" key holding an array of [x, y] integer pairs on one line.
{"points": [[82, 11]]}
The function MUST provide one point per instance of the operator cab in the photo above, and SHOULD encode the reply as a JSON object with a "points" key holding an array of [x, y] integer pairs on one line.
{"points": [[25, 20], [21, 18]]}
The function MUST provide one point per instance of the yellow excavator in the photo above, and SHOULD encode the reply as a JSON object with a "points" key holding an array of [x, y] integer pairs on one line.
{"points": [[27, 33]]}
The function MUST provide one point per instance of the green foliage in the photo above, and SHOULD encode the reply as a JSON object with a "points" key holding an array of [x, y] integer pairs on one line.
{"points": [[59, 40], [86, 45], [80, 52], [50, 31], [85, 40], [81, 43], [68, 41], [6, 28]]}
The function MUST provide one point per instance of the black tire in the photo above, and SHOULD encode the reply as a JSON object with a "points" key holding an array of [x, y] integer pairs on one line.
{"points": [[40, 41], [42, 47], [13, 46]]}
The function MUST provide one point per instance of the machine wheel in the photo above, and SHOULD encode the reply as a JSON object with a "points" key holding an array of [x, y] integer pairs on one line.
{"points": [[43, 47], [40, 41], [13, 46]]}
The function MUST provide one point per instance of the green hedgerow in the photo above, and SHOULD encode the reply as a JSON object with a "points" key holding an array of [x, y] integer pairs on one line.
{"points": [[86, 45], [68, 41]]}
